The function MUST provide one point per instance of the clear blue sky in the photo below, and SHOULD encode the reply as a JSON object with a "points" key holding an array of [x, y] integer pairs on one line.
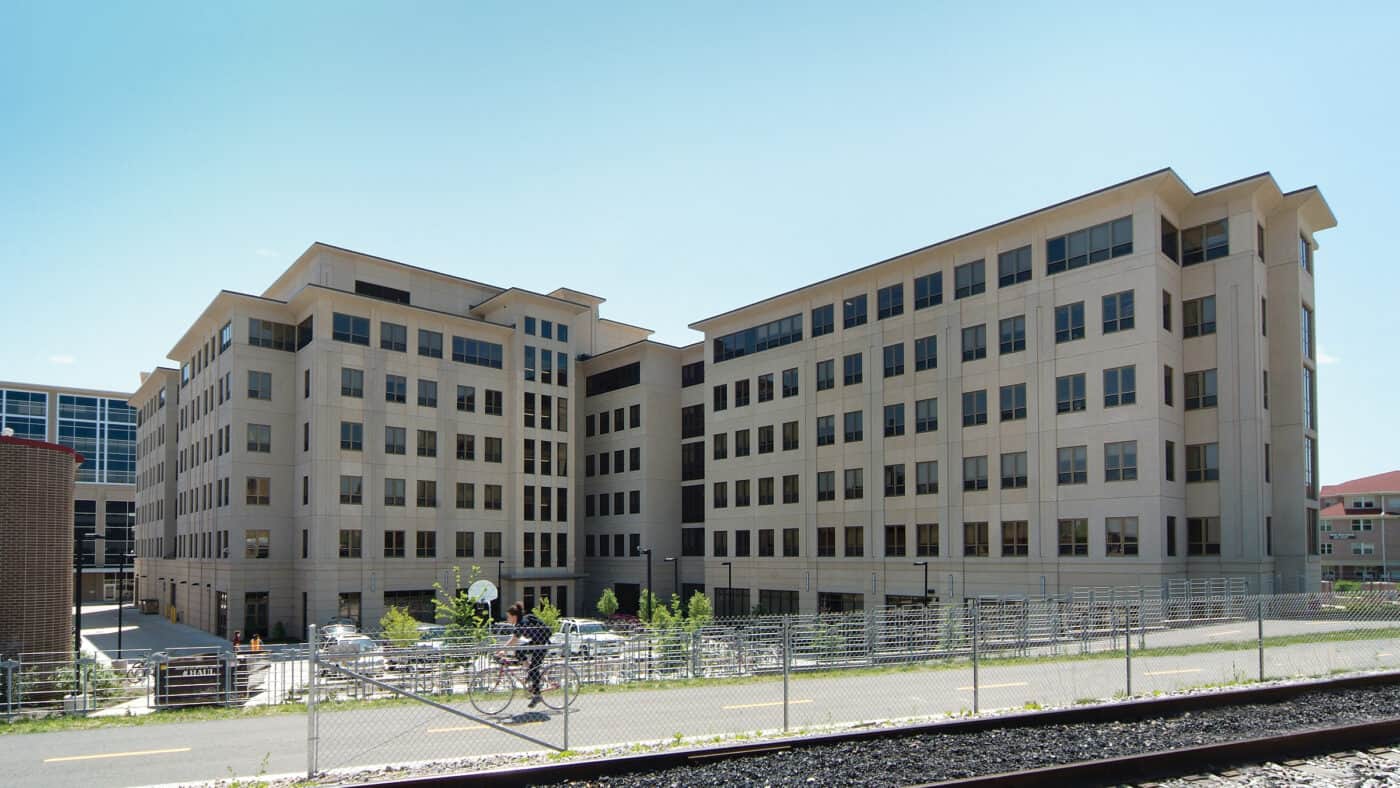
{"points": [[151, 154]]}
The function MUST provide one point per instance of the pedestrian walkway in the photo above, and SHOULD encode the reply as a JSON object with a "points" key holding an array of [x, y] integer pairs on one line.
{"points": [[141, 634]]}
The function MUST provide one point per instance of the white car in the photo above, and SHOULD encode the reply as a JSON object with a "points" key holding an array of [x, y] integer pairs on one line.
{"points": [[356, 652], [587, 637]]}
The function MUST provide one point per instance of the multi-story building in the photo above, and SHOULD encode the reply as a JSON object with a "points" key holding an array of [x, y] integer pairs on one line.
{"points": [[1119, 389], [1116, 390], [1361, 528], [343, 441], [102, 428]]}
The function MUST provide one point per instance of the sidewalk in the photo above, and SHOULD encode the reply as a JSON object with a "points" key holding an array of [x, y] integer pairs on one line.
{"points": [[141, 634]]}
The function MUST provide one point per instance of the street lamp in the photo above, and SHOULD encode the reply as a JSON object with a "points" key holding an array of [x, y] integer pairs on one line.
{"points": [[646, 551], [729, 587], [500, 585], [924, 564], [676, 581], [121, 591]]}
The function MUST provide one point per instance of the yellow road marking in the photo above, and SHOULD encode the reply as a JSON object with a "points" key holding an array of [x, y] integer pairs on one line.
{"points": [[457, 728], [995, 686], [760, 705], [115, 755], [1171, 672], [1223, 634]]}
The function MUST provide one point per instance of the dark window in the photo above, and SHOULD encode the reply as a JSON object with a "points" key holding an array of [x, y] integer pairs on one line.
{"points": [[1198, 317], [853, 311], [925, 353], [974, 342], [969, 279], [692, 421], [1208, 241], [692, 461], [1013, 402], [1119, 386], [765, 387], [393, 336], [1092, 245], [693, 374], [854, 424], [755, 340], [1118, 312], [1069, 393], [1170, 241], [429, 343], [894, 360], [1013, 470], [475, 351], [890, 301], [349, 328], [790, 382], [1069, 322], [974, 407], [826, 374], [894, 420], [1012, 332], [380, 291], [614, 379], [721, 398], [741, 393], [928, 290], [823, 320], [853, 368], [1014, 266], [926, 415]]}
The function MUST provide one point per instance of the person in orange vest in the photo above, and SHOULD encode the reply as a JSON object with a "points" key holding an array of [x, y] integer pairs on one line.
{"points": [[255, 644]]}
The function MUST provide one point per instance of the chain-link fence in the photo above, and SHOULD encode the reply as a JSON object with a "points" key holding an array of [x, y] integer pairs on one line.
{"points": [[375, 701], [789, 673]]}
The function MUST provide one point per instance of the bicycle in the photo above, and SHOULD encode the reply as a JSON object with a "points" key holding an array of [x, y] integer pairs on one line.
{"points": [[492, 688]]}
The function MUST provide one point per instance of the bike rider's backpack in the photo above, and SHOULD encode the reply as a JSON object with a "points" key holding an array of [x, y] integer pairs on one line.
{"points": [[534, 631]]}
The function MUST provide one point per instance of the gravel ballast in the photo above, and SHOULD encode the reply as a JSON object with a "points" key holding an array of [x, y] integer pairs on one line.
{"points": [[930, 757]]}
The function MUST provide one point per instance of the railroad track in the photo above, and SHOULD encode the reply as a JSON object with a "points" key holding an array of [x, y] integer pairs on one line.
{"points": [[1077, 746]]}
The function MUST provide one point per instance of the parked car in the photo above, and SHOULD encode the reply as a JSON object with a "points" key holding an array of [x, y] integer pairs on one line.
{"points": [[587, 637], [338, 626], [357, 652]]}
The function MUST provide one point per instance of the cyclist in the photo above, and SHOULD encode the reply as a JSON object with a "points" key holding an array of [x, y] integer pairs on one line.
{"points": [[531, 631]]}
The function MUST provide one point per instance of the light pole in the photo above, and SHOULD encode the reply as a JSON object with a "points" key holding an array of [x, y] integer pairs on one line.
{"points": [[924, 564], [646, 551], [676, 581], [500, 585], [121, 592], [729, 587]]}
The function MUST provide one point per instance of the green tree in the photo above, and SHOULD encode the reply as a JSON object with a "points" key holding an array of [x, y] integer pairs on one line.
{"points": [[698, 611], [398, 627], [649, 604], [467, 618], [548, 613], [607, 603]]}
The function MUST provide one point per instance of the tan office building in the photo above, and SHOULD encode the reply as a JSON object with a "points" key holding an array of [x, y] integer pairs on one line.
{"points": [[344, 440], [1361, 528], [1118, 390]]}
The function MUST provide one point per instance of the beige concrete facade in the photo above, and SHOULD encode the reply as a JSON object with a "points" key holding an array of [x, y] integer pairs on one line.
{"points": [[317, 456], [1184, 454], [1262, 523]]}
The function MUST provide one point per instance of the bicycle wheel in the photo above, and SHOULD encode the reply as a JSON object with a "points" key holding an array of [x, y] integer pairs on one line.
{"points": [[552, 686], [490, 690]]}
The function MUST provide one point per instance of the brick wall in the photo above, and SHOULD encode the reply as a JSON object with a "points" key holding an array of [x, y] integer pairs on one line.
{"points": [[36, 546]]}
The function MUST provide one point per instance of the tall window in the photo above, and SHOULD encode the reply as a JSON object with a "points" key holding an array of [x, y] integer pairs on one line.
{"points": [[928, 290], [969, 279], [854, 423], [1201, 389], [1309, 335], [1203, 536], [975, 542], [1203, 462], [853, 368], [1069, 393], [1074, 536], [1013, 470], [823, 320], [1120, 461], [1012, 331], [349, 328], [1208, 241], [1014, 266], [855, 483], [1069, 322], [853, 311], [974, 406], [894, 360], [1072, 464], [352, 382], [974, 342], [926, 415], [975, 473], [894, 420], [1170, 241], [926, 537], [1198, 317], [925, 353], [826, 374], [1118, 312], [890, 301], [1015, 538], [1013, 402], [1119, 386], [926, 478], [1120, 536]]}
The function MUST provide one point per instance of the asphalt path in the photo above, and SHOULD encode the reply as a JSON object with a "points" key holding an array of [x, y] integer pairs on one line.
{"points": [[409, 732]]}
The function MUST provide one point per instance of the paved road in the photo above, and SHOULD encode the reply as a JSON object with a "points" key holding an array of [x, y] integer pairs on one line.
{"points": [[171, 753]]}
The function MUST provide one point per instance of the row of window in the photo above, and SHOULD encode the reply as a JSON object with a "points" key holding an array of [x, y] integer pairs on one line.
{"points": [[546, 372], [1121, 538], [352, 385], [351, 544], [612, 545], [393, 336], [1120, 464], [605, 422], [609, 504], [547, 329], [613, 462]]}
